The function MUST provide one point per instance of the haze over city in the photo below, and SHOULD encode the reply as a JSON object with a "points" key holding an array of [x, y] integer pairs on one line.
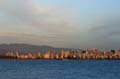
{"points": [[61, 23]]}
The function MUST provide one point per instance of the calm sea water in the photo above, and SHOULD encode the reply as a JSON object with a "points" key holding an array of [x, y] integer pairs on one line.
{"points": [[58, 69]]}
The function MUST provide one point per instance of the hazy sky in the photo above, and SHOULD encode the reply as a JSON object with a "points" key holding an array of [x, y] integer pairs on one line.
{"points": [[61, 23]]}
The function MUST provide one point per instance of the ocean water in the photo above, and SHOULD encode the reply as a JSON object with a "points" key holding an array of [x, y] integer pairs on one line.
{"points": [[59, 69]]}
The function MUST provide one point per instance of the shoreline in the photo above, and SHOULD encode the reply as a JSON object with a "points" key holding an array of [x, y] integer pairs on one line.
{"points": [[53, 59]]}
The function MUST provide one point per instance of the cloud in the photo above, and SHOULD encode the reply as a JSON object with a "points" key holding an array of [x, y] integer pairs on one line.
{"points": [[11, 37], [108, 26], [53, 24], [106, 32], [32, 14], [16, 34]]}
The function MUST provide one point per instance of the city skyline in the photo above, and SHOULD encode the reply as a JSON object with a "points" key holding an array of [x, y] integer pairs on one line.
{"points": [[63, 23]]}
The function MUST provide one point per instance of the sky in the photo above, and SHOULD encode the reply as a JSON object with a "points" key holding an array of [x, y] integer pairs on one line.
{"points": [[61, 23]]}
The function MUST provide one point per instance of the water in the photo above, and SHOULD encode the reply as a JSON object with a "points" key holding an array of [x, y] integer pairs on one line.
{"points": [[58, 69]]}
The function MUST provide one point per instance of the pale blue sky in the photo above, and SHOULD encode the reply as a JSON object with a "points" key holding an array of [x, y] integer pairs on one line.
{"points": [[61, 23]]}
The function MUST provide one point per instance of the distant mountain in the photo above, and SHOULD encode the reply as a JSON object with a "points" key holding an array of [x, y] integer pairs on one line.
{"points": [[2, 51], [27, 48]]}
